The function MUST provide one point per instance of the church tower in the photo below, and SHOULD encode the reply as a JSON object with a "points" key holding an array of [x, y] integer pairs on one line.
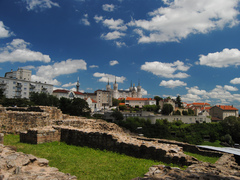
{"points": [[115, 89], [134, 93], [139, 90], [131, 88], [78, 85], [108, 87]]}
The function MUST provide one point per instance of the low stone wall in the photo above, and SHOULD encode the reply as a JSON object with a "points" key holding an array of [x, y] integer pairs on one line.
{"points": [[38, 136], [16, 119], [186, 147], [116, 142]]}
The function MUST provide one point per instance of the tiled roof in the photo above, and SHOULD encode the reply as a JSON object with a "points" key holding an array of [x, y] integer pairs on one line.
{"points": [[93, 100], [227, 107], [137, 99], [78, 93], [60, 91], [201, 104], [121, 104], [206, 108]]}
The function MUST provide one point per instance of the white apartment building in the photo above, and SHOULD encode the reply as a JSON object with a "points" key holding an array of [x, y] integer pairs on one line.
{"points": [[18, 84]]}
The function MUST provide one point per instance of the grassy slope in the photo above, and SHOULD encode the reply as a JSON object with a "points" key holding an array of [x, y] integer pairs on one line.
{"points": [[87, 163], [84, 162]]}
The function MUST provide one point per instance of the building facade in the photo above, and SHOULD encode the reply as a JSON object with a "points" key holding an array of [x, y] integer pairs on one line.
{"points": [[131, 101], [67, 94], [135, 92], [103, 98], [18, 84], [222, 111]]}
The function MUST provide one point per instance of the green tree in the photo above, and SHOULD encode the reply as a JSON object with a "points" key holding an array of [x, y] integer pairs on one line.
{"points": [[167, 109], [79, 107], [117, 115], [157, 98], [190, 112], [177, 112], [179, 101], [185, 113], [115, 102]]}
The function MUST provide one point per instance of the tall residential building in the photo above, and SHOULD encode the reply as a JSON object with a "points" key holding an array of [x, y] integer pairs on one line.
{"points": [[18, 84]]}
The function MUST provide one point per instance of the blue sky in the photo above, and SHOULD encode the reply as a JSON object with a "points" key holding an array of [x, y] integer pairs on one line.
{"points": [[173, 47]]}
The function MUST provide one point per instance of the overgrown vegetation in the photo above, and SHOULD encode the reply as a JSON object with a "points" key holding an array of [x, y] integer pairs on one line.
{"points": [[227, 131], [75, 107], [84, 162]]}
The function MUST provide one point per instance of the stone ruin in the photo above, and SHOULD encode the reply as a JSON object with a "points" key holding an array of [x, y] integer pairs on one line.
{"points": [[49, 124], [18, 166], [224, 169]]}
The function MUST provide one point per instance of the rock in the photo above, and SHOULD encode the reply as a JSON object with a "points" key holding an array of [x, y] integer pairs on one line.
{"points": [[19, 166]]}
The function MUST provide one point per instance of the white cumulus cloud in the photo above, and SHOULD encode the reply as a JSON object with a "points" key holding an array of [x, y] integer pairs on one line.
{"points": [[108, 7], [225, 58], [69, 84], [172, 83], [49, 72], [40, 4], [94, 66], [109, 77], [85, 20], [113, 62], [180, 18], [4, 32], [167, 70], [235, 81], [115, 24], [17, 51], [113, 35]]}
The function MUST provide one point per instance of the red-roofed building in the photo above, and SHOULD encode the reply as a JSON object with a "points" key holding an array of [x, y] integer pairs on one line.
{"points": [[91, 103], [223, 111], [139, 101], [121, 104], [67, 94]]}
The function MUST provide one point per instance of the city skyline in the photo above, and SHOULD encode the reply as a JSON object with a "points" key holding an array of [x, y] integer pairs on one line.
{"points": [[172, 47]]}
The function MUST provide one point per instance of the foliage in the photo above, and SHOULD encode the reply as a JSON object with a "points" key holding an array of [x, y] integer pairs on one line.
{"points": [[43, 99], [117, 115], [115, 102], [184, 113], [167, 109], [231, 126], [157, 98], [85, 163], [227, 139], [75, 107], [122, 107], [190, 112], [179, 101], [154, 108], [177, 112], [19, 102]]}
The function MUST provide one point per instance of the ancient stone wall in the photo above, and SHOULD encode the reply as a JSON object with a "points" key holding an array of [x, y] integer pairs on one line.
{"points": [[17, 165], [38, 136], [186, 147], [16, 119]]}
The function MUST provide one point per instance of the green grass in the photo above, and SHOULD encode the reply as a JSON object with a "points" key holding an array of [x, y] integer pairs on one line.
{"points": [[203, 158], [215, 144], [87, 163], [84, 162]]}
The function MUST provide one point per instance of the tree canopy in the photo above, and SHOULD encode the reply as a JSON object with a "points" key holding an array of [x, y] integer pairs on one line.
{"points": [[167, 109]]}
